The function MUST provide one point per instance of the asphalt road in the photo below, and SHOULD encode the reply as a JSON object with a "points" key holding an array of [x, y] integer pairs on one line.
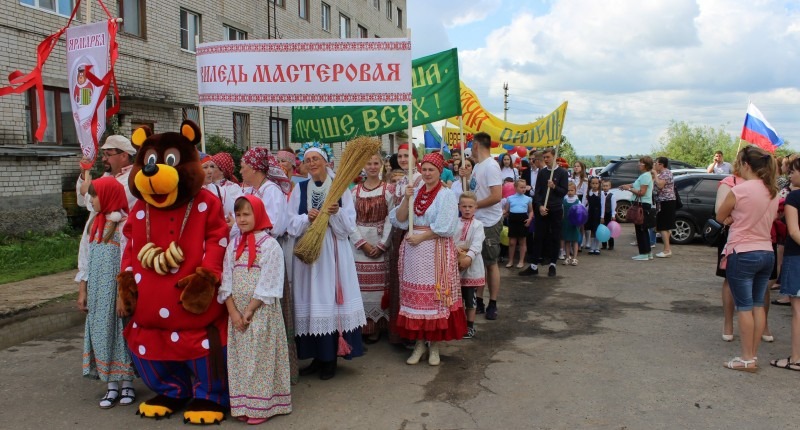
{"points": [[611, 343]]}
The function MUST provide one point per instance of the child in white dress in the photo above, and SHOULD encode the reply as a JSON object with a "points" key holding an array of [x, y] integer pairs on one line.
{"points": [[252, 285]]}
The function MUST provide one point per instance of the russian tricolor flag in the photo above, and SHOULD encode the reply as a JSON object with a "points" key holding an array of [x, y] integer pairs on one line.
{"points": [[758, 131]]}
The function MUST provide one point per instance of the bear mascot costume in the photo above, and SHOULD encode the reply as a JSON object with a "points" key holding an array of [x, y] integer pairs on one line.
{"points": [[170, 273]]}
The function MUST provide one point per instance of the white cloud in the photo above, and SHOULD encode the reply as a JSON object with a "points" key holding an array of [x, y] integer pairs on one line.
{"points": [[628, 68]]}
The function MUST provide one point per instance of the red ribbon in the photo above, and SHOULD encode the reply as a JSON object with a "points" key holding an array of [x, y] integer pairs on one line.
{"points": [[20, 82]]}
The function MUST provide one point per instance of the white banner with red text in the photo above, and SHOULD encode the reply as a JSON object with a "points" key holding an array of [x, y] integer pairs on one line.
{"points": [[325, 72], [87, 56]]}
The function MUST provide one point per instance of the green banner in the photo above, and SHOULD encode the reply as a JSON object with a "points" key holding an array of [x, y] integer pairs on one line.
{"points": [[435, 92]]}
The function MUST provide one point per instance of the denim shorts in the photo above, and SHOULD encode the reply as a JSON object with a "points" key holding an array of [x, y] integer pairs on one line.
{"points": [[790, 275], [748, 275]]}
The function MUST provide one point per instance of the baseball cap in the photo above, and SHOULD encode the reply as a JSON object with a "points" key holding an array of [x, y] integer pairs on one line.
{"points": [[121, 143]]}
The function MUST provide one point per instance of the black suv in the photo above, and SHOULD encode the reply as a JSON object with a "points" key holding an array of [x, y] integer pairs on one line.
{"points": [[626, 171], [698, 194]]}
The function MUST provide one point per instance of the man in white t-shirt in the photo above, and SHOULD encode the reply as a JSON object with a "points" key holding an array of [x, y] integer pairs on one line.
{"points": [[488, 189]]}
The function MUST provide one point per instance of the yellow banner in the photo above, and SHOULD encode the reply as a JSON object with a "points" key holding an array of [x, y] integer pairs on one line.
{"points": [[545, 132]]}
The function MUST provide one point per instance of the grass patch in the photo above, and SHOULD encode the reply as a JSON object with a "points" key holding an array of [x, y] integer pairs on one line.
{"points": [[37, 255]]}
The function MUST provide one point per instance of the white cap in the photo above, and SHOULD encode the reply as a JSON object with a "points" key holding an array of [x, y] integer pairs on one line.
{"points": [[119, 142]]}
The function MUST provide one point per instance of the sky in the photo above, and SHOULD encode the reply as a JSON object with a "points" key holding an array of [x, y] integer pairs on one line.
{"points": [[626, 67]]}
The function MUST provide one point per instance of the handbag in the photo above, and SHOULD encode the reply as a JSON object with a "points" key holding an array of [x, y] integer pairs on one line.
{"points": [[714, 233], [635, 213]]}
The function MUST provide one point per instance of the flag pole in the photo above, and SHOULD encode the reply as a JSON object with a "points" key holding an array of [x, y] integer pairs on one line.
{"points": [[200, 118], [463, 157], [552, 171], [411, 162]]}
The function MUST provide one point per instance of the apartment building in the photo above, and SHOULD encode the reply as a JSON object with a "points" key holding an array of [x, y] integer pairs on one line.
{"points": [[156, 71]]}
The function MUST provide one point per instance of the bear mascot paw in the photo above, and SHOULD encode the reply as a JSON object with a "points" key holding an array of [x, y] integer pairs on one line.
{"points": [[199, 290]]}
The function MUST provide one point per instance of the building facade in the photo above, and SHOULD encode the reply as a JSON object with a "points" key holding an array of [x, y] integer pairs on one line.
{"points": [[156, 69]]}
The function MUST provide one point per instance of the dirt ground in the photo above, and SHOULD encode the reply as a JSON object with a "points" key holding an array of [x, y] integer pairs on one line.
{"points": [[612, 344]]}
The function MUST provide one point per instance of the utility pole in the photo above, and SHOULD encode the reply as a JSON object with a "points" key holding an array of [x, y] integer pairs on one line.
{"points": [[505, 101]]}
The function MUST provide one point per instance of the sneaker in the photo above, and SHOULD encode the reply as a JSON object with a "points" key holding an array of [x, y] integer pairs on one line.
{"points": [[664, 254], [470, 333], [491, 312], [640, 257], [529, 271], [574, 262], [480, 307], [562, 255], [552, 270]]}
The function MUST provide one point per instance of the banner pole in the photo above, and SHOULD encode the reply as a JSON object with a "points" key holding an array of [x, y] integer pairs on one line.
{"points": [[200, 116], [464, 181], [552, 171], [411, 160]]}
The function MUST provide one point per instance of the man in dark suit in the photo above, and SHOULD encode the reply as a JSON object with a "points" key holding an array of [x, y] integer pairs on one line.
{"points": [[547, 237]]}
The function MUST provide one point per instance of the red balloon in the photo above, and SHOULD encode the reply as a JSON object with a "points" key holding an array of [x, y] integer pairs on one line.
{"points": [[495, 144], [521, 151]]}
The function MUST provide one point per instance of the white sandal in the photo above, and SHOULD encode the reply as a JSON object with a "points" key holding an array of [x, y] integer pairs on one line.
{"points": [[108, 401], [128, 396], [745, 365]]}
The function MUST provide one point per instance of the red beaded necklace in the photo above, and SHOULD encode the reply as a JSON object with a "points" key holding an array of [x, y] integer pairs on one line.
{"points": [[425, 199]]}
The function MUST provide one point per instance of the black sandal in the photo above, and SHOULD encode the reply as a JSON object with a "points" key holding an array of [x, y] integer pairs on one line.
{"points": [[129, 394], [787, 366], [108, 398]]}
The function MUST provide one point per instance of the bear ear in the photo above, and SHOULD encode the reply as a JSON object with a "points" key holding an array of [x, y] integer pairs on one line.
{"points": [[140, 135], [191, 131]]}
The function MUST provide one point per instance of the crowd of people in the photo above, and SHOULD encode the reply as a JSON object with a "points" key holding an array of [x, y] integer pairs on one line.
{"points": [[408, 256]]}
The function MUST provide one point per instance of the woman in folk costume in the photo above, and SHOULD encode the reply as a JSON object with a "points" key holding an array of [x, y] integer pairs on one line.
{"points": [[373, 200], [221, 181], [264, 178], [252, 285], [430, 298], [328, 309], [397, 236], [105, 355]]}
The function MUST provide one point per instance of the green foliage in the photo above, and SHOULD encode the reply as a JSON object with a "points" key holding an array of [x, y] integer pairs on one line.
{"points": [[35, 255], [696, 144], [596, 161], [566, 151], [216, 144]]}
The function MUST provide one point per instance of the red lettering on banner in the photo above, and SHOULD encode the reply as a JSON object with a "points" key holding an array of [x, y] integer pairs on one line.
{"points": [[262, 73], [86, 42], [394, 70], [278, 75], [323, 72], [337, 70], [378, 75], [351, 72], [292, 73], [365, 77], [307, 68], [473, 113]]}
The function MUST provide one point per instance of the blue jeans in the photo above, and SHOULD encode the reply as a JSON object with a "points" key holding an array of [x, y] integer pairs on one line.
{"points": [[748, 275], [652, 233]]}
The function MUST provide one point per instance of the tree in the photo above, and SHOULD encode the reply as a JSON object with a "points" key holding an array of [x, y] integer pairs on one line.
{"points": [[695, 144], [566, 151]]}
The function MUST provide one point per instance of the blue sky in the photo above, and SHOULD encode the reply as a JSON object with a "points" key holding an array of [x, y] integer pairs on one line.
{"points": [[626, 67]]}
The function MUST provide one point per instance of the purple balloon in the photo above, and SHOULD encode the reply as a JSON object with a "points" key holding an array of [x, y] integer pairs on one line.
{"points": [[615, 229], [578, 215]]}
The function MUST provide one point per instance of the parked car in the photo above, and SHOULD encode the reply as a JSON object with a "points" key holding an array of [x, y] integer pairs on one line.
{"points": [[594, 171], [681, 172], [698, 194], [626, 171]]}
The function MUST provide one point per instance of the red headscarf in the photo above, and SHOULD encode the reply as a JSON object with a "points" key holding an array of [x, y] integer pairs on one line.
{"points": [[413, 150], [224, 161], [260, 159], [436, 159], [112, 199], [262, 222]]}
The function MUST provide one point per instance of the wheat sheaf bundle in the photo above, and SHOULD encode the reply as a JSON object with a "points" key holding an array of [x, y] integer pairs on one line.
{"points": [[355, 156]]}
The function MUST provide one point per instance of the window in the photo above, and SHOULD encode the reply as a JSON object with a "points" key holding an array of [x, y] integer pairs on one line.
{"points": [[233, 33], [302, 9], [132, 13], [326, 16], [376, 4], [136, 124], [389, 10], [60, 127], [399, 18], [279, 133], [190, 28], [344, 26], [191, 113], [281, 3], [241, 130], [362, 32], [61, 7]]}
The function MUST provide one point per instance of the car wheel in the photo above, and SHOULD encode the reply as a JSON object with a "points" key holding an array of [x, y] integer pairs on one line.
{"points": [[622, 210], [683, 232]]}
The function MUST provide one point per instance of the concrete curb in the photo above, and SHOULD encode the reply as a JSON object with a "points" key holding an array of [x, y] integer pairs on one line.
{"points": [[41, 321]]}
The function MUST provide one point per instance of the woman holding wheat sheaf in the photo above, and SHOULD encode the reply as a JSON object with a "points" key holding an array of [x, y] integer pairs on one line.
{"points": [[329, 312]]}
